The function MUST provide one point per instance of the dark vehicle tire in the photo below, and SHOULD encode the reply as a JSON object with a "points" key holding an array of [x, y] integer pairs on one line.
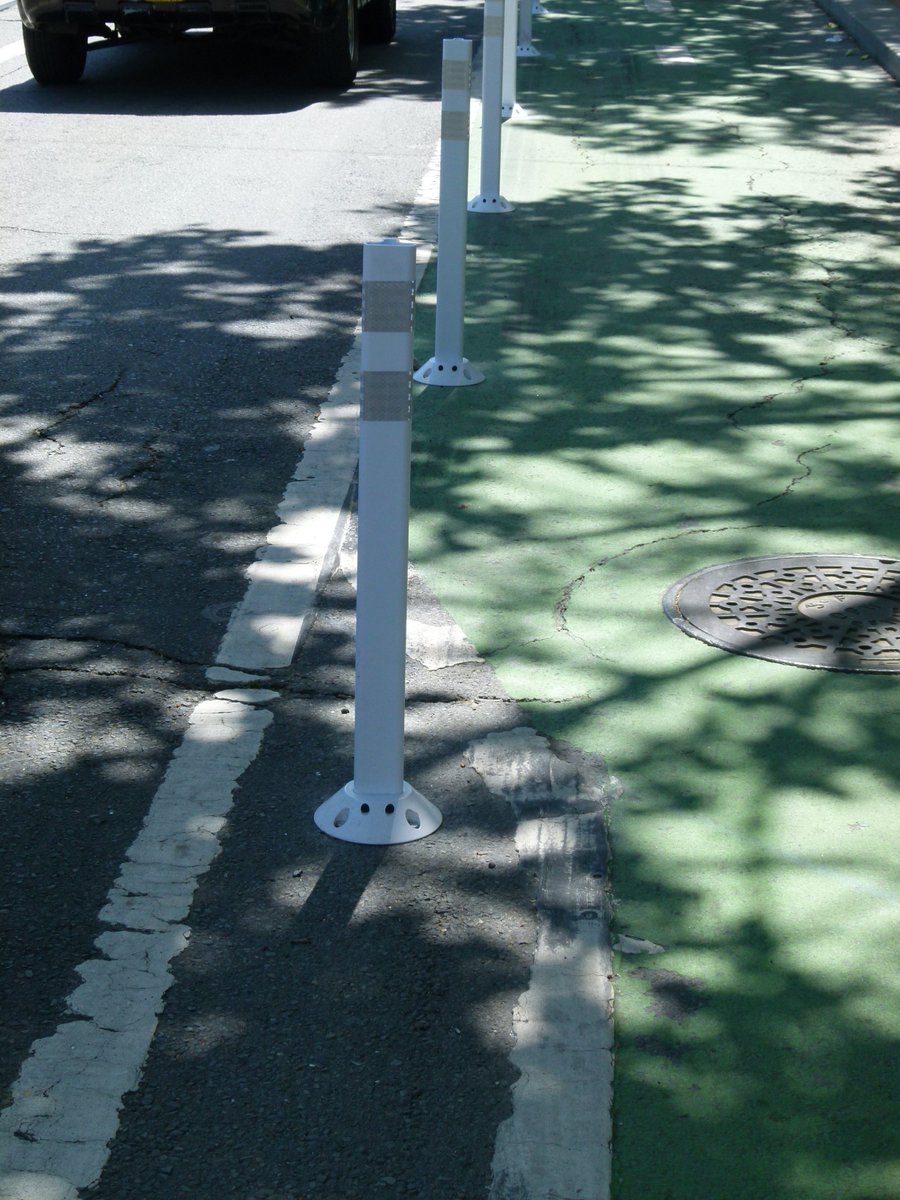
{"points": [[55, 58], [336, 49], [378, 21]]}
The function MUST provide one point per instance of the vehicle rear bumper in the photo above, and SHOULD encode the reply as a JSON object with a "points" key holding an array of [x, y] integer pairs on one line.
{"points": [[186, 14]]}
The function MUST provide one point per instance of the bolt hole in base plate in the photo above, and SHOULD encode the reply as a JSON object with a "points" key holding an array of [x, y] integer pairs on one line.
{"points": [[378, 820], [831, 612]]}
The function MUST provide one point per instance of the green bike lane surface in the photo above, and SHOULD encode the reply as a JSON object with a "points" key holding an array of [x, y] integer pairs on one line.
{"points": [[688, 327]]}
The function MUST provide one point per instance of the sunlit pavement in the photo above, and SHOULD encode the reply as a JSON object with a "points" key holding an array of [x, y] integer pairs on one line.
{"points": [[688, 328]]}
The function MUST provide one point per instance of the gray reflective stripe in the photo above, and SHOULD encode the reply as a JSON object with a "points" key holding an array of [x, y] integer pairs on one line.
{"points": [[454, 126], [386, 395], [493, 27], [387, 307], [455, 76]]}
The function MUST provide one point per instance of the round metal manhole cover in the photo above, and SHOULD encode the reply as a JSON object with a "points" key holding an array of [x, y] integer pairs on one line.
{"points": [[832, 612]]}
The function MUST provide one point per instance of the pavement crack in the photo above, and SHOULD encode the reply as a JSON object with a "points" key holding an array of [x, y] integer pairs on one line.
{"points": [[561, 607], [807, 471], [11, 636], [796, 386], [153, 457], [28, 229], [759, 404], [124, 673], [73, 410]]}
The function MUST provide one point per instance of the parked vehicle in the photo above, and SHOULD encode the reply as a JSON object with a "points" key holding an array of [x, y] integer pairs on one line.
{"points": [[56, 32]]}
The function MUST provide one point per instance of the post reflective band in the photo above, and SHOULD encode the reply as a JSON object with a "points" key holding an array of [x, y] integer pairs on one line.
{"points": [[386, 395], [454, 127], [456, 76], [387, 306]]}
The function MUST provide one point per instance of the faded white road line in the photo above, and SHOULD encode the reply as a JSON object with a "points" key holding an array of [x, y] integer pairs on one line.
{"points": [[12, 51], [557, 1141], [65, 1103]]}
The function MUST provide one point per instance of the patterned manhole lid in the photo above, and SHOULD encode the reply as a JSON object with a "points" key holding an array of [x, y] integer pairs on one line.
{"points": [[835, 612]]}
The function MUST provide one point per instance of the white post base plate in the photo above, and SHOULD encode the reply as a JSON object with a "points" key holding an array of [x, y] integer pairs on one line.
{"points": [[448, 372], [489, 204], [381, 820]]}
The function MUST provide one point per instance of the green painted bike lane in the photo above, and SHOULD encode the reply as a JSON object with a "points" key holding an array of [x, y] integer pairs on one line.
{"points": [[690, 335]]}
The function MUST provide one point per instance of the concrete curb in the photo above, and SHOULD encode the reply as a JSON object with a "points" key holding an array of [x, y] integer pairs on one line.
{"points": [[875, 24]]}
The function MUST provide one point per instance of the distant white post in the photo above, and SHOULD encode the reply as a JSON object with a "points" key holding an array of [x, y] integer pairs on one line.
{"points": [[378, 807], [489, 199], [448, 367], [525, 47], [510, 35]]}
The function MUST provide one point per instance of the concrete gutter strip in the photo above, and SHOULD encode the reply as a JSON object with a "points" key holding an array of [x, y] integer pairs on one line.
{"points": [[875, 24]]}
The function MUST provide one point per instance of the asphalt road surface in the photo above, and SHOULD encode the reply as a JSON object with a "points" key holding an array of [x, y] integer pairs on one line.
{"points": [[181, 245]]}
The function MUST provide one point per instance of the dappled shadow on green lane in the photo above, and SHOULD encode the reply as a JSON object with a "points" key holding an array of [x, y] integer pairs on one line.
{"points": [[778, 1091], [732, 333], [693, 359], [780, 82]]}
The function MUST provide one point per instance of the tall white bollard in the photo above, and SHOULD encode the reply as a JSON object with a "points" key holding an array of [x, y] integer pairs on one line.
{"points": [[378, 808], [525, 47], [489, 199], [510, 35], [448, 367]]}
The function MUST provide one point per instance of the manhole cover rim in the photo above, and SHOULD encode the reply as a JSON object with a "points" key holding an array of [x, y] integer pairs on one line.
{"points": [[722, 636]]}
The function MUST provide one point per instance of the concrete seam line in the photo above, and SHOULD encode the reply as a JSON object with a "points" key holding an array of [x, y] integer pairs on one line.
{"points": [[557, 1142]]}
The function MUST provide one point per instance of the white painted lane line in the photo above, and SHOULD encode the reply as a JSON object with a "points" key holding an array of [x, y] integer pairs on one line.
{"points": [[671, 55], [14, 50], [54, 1135], [301, 550]]}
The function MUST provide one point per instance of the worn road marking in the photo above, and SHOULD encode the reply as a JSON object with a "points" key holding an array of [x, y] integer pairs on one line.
{"points": [[12, 51], [301, 551], [557, 1141], [65, 1103]]}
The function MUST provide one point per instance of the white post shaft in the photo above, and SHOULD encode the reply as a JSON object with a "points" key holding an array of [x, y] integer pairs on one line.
{"points": [[510, 35], [383, 508], [490, 199], [525, 47], [452, 213]]}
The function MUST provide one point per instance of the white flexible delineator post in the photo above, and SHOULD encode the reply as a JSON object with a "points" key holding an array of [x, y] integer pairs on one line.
{"points": [[378, 807], [448, 367], [525, 48], [489, 199], [508, 106]]}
